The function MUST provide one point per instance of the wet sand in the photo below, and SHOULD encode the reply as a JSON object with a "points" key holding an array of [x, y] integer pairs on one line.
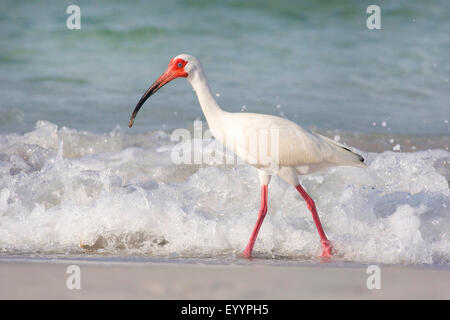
{"points": [[47, 280]]}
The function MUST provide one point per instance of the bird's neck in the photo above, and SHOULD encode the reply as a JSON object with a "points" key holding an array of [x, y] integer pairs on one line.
{"points": [[213, 113]]}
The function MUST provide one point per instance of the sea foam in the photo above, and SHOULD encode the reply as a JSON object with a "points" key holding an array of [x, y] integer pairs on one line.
{"points": [[69, 191]]}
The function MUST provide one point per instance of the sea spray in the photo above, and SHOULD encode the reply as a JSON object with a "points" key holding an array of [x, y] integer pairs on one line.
{"points": [[69, 191]]}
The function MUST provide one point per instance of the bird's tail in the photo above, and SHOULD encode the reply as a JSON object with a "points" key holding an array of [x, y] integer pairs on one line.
{"points": [[343, 155]]}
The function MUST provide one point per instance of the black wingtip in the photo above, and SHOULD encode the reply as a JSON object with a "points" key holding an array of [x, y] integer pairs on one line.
{"points": [[358, 155]]}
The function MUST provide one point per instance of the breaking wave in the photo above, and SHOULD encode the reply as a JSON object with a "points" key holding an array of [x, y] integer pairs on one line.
{"points": [[69, 191]]}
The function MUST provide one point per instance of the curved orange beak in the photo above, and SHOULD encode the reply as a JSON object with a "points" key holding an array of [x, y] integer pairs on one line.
{"points": [[172, 72]]}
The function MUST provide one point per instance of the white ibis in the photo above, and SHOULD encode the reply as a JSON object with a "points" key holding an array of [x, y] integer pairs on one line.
{"points": [[290, 150]]}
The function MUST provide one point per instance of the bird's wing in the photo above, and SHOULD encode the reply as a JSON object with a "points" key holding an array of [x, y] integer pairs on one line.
{"points": [[296, 146], [302, 147]]}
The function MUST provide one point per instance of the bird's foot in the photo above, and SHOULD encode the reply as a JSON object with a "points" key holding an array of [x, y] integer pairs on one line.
{"points": [[327, 249], [247, 254]]}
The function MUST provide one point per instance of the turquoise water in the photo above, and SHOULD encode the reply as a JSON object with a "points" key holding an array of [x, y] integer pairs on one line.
{"points": [[314, 62]]}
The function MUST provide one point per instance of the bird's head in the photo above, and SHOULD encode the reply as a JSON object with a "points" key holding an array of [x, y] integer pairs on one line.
{"points": [[183, 65]]}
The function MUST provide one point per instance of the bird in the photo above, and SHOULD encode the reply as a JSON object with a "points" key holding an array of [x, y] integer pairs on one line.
{"points": [[271, 144]]}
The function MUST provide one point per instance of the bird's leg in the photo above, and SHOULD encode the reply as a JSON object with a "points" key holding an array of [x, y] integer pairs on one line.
{"points": [[261, 214], [327, 247]]}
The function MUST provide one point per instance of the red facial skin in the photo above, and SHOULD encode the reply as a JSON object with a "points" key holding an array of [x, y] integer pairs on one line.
{"points": [[174, 70]]}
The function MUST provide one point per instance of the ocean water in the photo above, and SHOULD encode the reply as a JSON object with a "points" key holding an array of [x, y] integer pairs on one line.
{"points": [[315, 60], [75, 180]]}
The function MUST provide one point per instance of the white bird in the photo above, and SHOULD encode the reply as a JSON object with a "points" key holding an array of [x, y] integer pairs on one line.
{"points": [[272, 144]]}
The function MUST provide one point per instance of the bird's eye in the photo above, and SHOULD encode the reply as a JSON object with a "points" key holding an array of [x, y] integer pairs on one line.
{"points": [[180, 64]]}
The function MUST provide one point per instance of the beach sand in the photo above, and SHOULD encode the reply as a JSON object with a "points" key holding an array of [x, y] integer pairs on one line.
{"points": [[47, 280]]}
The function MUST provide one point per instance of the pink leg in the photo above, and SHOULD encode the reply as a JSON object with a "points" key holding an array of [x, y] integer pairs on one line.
{"points": [[261, 214], [326, 244]]}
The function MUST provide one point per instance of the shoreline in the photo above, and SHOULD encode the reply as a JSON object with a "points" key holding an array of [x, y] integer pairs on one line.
{"points": [[46, 279]]}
